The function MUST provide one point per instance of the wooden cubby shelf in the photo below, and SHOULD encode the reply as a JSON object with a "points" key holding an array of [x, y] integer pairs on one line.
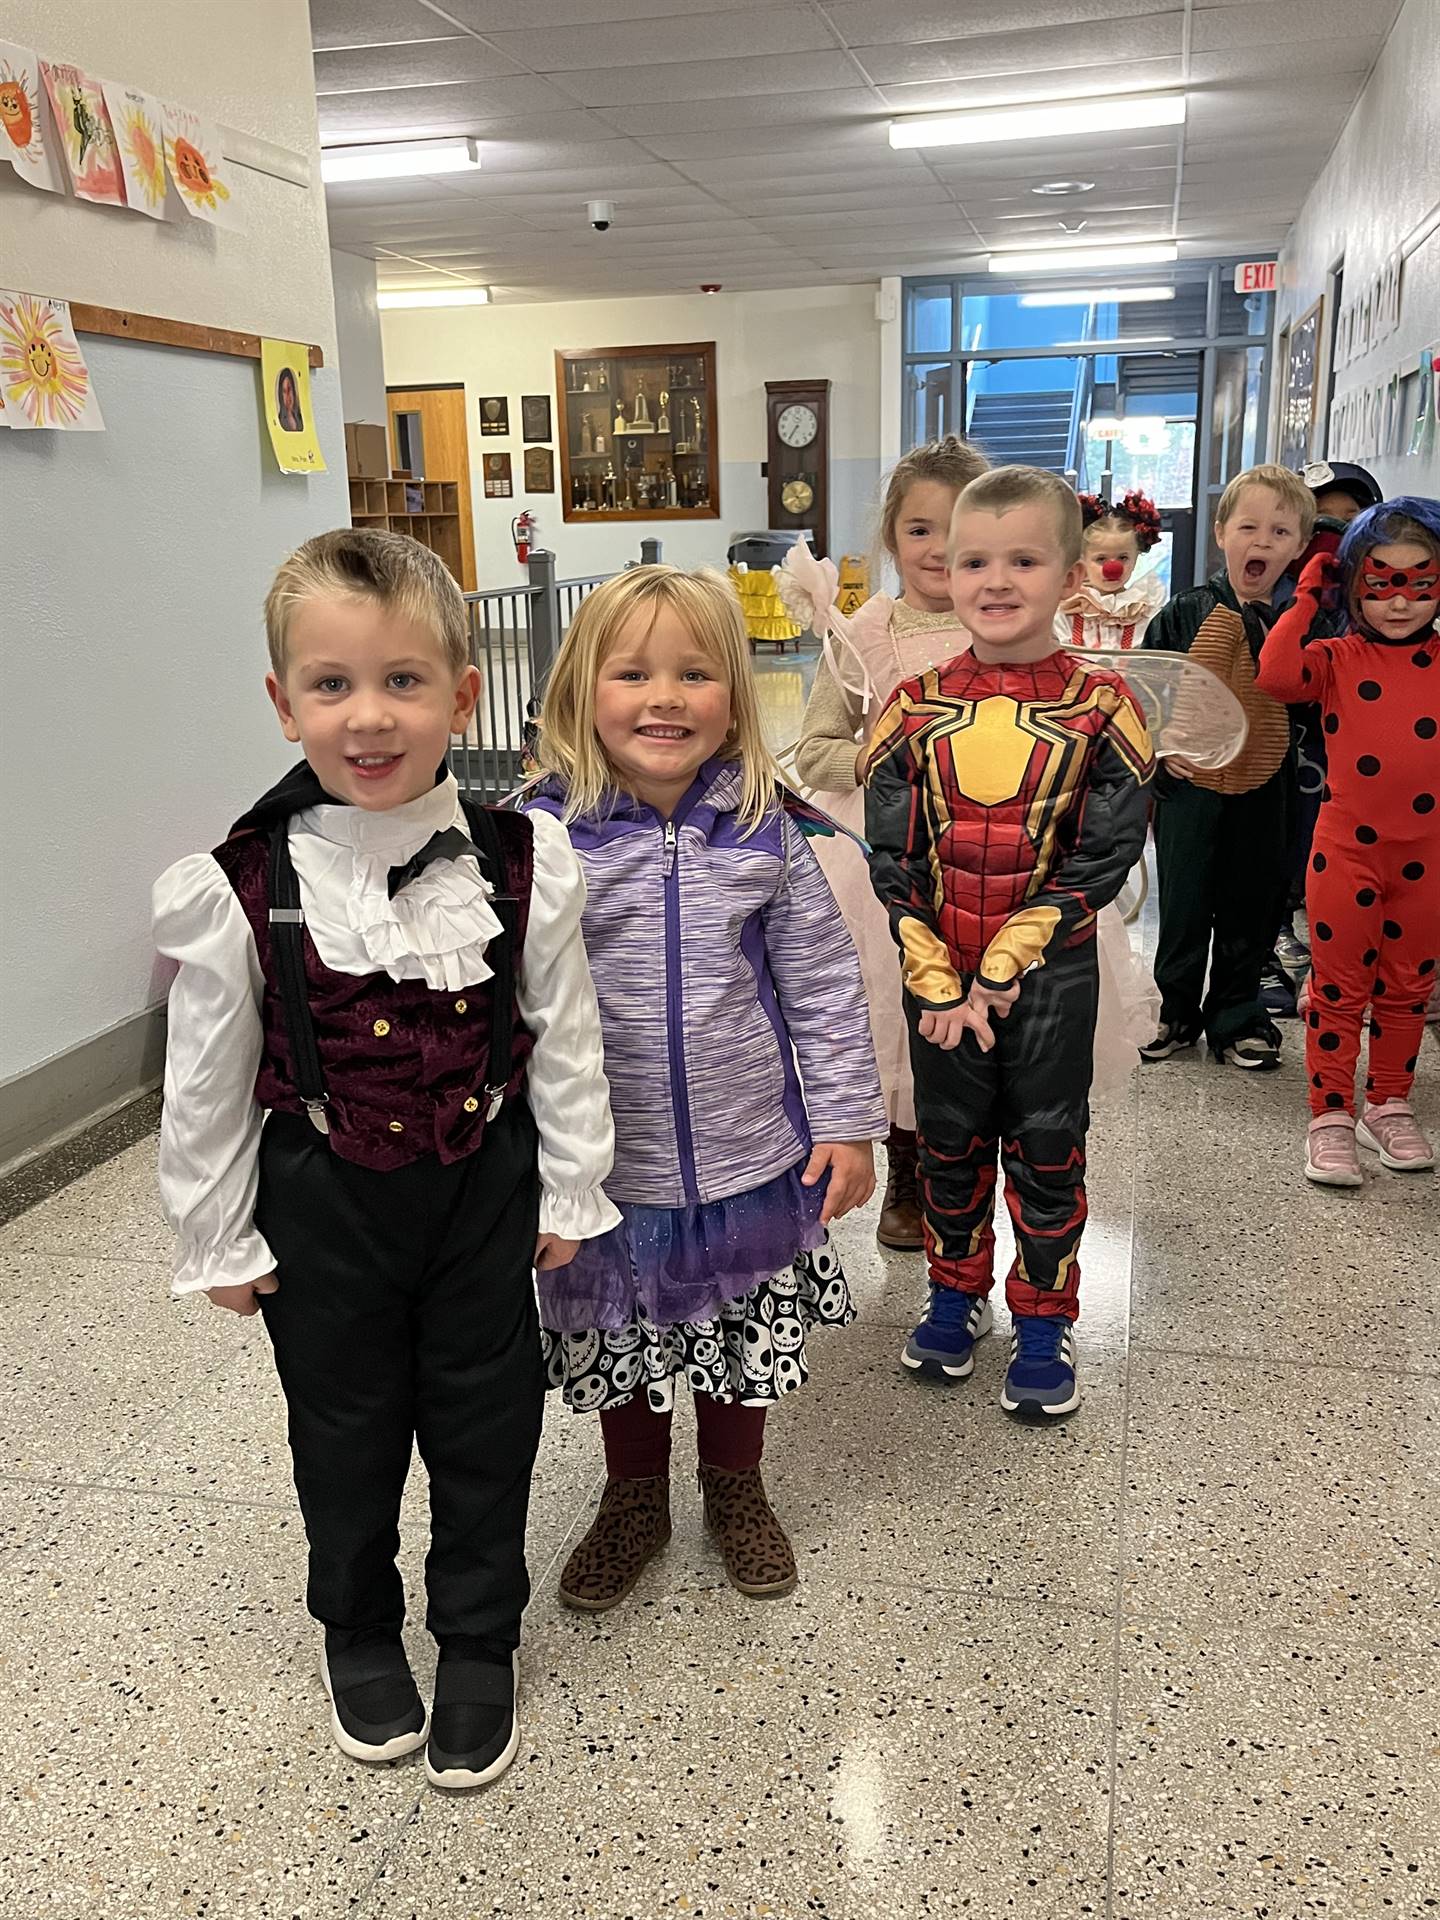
{"points": [[427, 510]]}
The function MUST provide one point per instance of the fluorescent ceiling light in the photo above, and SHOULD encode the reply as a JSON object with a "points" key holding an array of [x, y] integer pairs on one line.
{"points": [[434, 297], [1096, 296], [398, 159], [1068, 260], [1038, 120]]}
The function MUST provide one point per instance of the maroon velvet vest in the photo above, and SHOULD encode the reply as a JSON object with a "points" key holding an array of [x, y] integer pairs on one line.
{"points": [[405, 1065]]}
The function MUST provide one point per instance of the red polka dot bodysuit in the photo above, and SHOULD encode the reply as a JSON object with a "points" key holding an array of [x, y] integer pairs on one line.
{"points": [[1373, 890]]}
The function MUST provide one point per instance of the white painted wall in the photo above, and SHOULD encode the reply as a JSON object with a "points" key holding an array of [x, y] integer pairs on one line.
{"points": [[360, 353], [1379, 191], [133, 722], [799, 333]]}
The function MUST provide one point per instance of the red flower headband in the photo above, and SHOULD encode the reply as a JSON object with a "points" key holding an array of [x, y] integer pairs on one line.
{"points": [[1141, 512]]}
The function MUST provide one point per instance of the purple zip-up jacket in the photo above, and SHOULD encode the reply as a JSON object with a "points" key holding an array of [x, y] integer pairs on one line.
{"points": [[727, 983]]}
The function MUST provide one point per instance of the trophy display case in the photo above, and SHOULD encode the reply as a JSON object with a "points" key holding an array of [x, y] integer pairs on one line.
{"points": [[637, 433]]}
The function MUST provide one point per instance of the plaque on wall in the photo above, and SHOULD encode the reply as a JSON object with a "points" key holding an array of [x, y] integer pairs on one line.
{"points": [[495, 416], [497, 476], [535, 416], [539, 470]]}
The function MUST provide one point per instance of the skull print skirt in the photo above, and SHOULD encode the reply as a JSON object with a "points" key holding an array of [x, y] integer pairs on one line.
{"points": [[751, 1350]]}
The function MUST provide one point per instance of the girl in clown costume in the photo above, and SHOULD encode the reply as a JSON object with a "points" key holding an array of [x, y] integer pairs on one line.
{"points": [[1113, 607]]}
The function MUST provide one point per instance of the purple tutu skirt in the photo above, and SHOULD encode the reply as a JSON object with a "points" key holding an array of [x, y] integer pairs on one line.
{"points": [[681, 1264]]}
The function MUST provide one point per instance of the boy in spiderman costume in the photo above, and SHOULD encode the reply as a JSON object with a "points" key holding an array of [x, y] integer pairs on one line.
{"points": [[1005, 805], [1373, 890]]}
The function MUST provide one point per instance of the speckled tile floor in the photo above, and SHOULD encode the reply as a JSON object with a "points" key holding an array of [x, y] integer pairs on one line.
{"points": [[1180, 1658]]}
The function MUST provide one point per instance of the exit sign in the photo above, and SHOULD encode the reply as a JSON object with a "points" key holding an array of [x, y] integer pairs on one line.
{"points": [[1255, 276]]}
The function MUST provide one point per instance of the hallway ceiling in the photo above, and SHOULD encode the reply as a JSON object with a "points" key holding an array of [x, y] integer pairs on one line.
{"points": [[746, 143]]}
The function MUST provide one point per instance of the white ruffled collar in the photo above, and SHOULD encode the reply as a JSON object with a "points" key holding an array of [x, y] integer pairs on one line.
{"points": [[436, 928]]}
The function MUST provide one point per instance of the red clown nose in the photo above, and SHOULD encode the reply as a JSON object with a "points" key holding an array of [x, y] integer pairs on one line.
{"points": [[1112, 569]]}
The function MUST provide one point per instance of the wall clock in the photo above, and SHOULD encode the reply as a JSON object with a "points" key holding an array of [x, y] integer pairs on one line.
{"points": [[797, 423]]}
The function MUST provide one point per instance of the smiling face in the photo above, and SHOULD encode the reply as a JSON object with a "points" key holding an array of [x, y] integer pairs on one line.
{"points": [[1110, 554], [1397, 589], [1007, 578], [368, 694], [662, 707], [1259, 540], [921, 528]]}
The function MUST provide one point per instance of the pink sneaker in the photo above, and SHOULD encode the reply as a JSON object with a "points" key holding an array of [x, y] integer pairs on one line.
{"points": [[1330, 1157], [1394, 1133]]}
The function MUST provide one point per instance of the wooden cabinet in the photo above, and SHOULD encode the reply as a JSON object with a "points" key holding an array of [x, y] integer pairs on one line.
{"points": [[638, 438]]}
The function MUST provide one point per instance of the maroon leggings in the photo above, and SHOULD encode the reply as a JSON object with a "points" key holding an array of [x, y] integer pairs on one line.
{"points": [[637, 1439]]}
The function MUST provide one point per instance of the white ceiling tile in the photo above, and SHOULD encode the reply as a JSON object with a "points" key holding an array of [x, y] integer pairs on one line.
{"points": [[863, 138], [1351, 57], [1280, 23], [1040, 84], [864, 23], [1032, 54], [840, 203], [644, 45], [422, 111], [886, 169], [687, 80], [771, 110], [543, 16], [508, 152], [416, 63], [364, 23], [1040, 161]]}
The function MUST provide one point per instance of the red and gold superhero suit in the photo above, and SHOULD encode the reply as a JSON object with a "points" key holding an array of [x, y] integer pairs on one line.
{"points": [[1372, 894], [1005, 805]]}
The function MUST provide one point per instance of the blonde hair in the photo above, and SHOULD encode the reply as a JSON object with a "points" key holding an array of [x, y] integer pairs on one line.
{"points": [[1291, 489], [362, 563], [951, 462], [1003, 488], [706, 604]]}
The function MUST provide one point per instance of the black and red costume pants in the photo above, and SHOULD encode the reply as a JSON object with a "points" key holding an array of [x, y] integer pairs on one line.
{"points": [[1374, 913], [1026, 1106]]}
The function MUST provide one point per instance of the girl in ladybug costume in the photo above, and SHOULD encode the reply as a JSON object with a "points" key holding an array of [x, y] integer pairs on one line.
{"points": [[1373, 890]]}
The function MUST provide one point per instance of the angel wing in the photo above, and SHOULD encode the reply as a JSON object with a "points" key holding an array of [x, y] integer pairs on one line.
{"points": [[1189, 712]]}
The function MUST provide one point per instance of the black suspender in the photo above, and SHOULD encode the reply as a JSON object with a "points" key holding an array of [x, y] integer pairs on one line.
{"points": [[287, 939]]}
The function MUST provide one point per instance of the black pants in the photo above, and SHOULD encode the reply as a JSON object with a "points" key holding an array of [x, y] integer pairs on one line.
{"points": [[1223, 863], [406, 1312], [1027, 1101]]}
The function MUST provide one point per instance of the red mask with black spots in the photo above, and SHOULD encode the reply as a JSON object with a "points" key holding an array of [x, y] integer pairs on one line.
{"points": [[1397, 591]]}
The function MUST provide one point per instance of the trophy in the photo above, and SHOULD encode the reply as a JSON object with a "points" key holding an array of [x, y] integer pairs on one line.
{"points": [[619, 420], [642, 407], [662, 425], [587, 434]]}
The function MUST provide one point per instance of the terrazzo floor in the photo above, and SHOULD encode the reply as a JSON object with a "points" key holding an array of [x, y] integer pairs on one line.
{"points": [[1178, 1658]]}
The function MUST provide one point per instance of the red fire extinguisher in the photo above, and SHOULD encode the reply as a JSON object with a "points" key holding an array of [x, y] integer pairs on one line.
{"points": [[523, 529]]}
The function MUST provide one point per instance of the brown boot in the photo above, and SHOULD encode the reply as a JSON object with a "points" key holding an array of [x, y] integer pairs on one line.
{"points": [[902, 1225], [755, 1547], [631, 1527]]}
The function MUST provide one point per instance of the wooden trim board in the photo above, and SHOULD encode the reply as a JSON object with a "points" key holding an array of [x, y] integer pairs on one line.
{"points": [[119, 324]]}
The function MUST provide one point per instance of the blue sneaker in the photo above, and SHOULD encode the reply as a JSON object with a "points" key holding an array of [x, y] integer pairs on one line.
{"points": [[944, 1341], [1040, 1383]]}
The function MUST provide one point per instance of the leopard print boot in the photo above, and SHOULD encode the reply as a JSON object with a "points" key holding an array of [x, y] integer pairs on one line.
{"points": [[631, 1527], [755, 1547]]}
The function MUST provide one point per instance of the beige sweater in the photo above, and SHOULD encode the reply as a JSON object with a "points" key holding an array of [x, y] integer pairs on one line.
{"points": [[830, 735]]}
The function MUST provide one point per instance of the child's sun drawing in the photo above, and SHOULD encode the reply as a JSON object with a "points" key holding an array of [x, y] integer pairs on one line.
{"points": [[18, 108], [191, 173], [41, 371], [145, 151]]}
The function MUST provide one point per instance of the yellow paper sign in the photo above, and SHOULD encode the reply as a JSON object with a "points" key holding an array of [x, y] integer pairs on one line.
{"points": [[289, 414]]}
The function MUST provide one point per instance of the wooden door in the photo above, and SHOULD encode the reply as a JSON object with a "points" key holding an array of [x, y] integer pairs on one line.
{"points": [[445, 451]]}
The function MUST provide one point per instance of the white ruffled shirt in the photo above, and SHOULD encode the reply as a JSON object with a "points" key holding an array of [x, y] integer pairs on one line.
{"points": [[436, 929]]}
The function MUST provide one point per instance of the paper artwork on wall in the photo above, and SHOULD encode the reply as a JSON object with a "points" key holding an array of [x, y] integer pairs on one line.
{"points": [[86, 136], [44, 380], [138, 122], [22, 120], [289, 412], [198, 167]]}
